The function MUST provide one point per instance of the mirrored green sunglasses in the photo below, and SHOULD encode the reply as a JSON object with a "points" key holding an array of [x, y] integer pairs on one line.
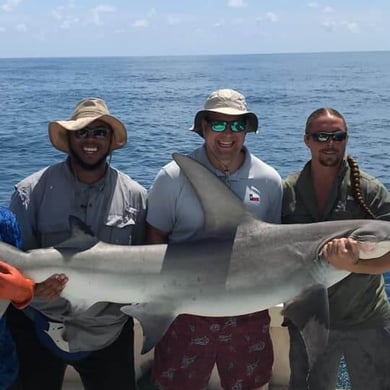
{"points": [[236, 126]]}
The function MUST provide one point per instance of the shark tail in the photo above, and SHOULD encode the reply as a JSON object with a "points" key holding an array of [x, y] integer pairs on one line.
{"points": [[155, 319], [309, 312]]}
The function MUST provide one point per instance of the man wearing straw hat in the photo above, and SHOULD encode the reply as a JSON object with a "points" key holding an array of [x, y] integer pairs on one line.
{"points": [[239, 346], [98, 343]]}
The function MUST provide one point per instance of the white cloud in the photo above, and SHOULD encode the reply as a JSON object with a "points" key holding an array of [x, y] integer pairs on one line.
{"points": [[105, 8], [57, 13], [65, 21], [268, 17], [351, 27], [236, 3], [173, 20], [328, 10], [141, 23], [21, 27], [219, 23], [313, 4], [272, 17], [2, 29], [68, 23], [97, 11], [329, 25], [151, 13], [337, 25], [9, 5]]}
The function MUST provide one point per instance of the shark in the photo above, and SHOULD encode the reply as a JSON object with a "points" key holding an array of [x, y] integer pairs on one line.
{"points": [[240, 265]]}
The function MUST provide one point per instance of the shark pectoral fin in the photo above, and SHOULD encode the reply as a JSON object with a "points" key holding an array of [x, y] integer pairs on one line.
{"points": [[155, 319], [309, 312], [3, 306]]}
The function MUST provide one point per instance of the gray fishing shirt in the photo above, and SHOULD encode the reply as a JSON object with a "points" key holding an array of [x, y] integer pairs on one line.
{"points": [[113, 208], [174, 207]]}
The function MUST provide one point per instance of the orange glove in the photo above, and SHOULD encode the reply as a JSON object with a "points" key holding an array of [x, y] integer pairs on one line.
{"points": [[14, 286]]}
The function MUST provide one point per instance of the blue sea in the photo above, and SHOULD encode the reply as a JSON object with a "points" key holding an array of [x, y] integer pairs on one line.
{"points": [[157, 97]]}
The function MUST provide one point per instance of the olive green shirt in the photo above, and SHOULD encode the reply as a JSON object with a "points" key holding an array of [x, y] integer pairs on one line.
{"points": [[358, 301]]}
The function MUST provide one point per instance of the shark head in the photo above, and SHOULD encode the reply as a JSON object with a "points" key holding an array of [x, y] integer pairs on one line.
{"points": [[374, 240]]}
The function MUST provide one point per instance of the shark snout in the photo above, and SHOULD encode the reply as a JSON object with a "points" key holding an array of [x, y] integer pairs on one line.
{"points": [[373, 239]]}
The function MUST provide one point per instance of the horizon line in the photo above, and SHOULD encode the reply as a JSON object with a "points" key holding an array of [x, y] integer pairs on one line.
{"points": [[196, 55]]}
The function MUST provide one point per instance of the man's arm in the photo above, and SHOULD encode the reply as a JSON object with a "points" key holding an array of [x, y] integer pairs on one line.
{"points": [[155, 236], [14, 286], [344, 253]]}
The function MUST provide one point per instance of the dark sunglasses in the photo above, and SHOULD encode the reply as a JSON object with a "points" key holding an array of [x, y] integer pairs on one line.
{"points": [[95, 132], [338, 136], [235, 126]]}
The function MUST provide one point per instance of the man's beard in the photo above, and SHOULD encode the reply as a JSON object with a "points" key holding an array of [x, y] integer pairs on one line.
{"points": [[330, 161], [85, 165]]}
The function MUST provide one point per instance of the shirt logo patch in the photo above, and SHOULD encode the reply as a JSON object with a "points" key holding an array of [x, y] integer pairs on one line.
{"points": [[254, 197]]}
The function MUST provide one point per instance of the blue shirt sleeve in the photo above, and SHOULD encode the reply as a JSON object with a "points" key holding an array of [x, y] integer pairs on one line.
{"points": [[9, 228], [9, 233]]}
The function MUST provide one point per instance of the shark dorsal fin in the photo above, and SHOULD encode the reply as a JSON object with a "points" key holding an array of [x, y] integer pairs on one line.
{"points": [[223, 210], [81, 236]]}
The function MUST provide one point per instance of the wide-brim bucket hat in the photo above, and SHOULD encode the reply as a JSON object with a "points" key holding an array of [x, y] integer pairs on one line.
{"points": [[87, 111], [229, 102]]}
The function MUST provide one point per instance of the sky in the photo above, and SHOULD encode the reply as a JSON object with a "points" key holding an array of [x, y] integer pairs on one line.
{"points": [[73, 28]]}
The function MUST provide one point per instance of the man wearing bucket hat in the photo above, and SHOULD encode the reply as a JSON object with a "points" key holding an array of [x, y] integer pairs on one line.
{"points": [[240, 346], [99, 342]]}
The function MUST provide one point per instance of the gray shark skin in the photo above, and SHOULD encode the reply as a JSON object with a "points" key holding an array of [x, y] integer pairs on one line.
{"points": [[241, 265]]}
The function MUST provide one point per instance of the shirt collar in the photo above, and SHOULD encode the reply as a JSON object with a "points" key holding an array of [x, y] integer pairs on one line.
{"points": [[242, 172]]}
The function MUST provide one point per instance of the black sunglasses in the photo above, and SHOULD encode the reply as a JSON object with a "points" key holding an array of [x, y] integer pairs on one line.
{"points": [[95, 132], [338, 136], [236, 126]]}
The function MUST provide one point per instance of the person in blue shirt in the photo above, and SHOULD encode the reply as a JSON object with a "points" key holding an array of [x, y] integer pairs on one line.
{"points": [[19, 290], [9, 276]]}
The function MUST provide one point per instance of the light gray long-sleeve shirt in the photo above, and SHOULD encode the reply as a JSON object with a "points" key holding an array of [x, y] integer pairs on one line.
{"points": [[113, 208]]}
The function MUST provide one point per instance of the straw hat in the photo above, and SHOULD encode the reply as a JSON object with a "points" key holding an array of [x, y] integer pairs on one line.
{"points": [[229, 102], [87, 111]]}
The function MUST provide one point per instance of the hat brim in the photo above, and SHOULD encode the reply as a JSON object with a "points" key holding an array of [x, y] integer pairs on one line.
{"points": [[59, 138], [253, 121]]}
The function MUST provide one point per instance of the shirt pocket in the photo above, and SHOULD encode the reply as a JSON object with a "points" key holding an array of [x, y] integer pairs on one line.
{"points": [[124, 219], [118, 227]]}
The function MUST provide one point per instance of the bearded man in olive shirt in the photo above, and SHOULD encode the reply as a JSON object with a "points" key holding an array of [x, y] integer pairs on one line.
{"points": [[331, 187]]}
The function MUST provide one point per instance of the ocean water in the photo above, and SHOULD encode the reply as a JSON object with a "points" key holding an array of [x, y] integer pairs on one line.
{"points": [[157, 98]]}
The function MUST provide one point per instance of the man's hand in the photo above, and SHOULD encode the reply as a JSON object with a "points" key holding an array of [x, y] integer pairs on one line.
{"points": [[14, 286], [342, 253], [51, 288]]}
